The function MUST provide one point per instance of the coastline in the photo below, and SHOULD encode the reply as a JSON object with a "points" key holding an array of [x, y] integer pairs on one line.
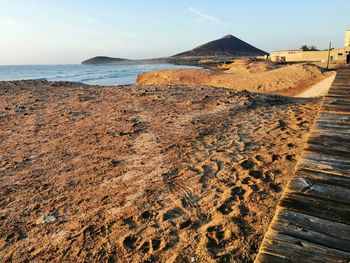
{"points": [[104, 75]]}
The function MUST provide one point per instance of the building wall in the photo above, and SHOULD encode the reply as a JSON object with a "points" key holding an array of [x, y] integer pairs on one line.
{"points": [[347, 38], [336, 54], [287, 55]]}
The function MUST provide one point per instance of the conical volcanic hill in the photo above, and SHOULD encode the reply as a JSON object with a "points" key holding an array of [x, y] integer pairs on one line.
{"points": [[228, 46]]}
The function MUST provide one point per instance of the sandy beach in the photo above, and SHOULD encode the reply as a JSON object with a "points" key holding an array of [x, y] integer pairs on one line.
{"points": [[174, 131], [142, 174]]}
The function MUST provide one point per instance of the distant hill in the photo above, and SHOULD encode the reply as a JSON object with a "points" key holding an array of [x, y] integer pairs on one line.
{"points": [[226, 46], [102, 60]]}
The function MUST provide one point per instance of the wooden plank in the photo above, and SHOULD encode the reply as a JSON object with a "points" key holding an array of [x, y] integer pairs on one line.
{"points": [[312, 220], [316, 206], [324, 176], [336, 131], [328, 123], [320, 148], [337, 94], [344, 106], [319, 189], [340, 114], [264, 256], [330, 130], [339, 162], [331, 99], [328, 140], [338, 84], [313, 229], [324, 165], [325, 130], [333, 117], [336, 103], [291, 249], [342, 76], [336, 108]]}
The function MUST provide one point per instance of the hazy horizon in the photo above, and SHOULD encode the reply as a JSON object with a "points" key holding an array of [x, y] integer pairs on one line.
{"points": [[68, 32]]}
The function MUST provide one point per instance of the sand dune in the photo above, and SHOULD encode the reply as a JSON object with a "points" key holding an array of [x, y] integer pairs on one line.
{"points": [[248, 66], [142, 174], [288, 80]]}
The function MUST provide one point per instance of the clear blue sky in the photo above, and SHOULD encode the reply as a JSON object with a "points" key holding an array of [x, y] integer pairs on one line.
{"points": [[69, 31]]}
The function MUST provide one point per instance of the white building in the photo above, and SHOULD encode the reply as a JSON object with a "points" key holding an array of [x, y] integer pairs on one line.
{"points": [[347, 38], [336, 54]]}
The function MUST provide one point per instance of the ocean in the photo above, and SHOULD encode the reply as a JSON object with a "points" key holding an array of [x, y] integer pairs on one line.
{"points": [[104, 75]]}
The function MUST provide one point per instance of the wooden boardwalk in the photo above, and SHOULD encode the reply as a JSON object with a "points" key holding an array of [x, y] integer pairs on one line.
{"points": [[312, 220]]}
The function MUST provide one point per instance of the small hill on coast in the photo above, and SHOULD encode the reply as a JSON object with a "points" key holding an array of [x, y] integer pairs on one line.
{"points": [[102, 60], [228, 46]]}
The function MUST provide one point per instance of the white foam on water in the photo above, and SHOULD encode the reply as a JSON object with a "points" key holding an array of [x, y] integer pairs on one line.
{"points": [[104, 75]]}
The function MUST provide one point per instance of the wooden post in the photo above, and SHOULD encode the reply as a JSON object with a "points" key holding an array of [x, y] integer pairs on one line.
{"points": [[329, 53]]}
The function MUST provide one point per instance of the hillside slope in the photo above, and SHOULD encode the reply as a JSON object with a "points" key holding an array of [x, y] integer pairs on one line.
{"points": [[102, 60], [228, 45]]}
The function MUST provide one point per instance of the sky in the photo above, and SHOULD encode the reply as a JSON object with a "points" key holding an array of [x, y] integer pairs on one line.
{"points": [[70, 31]]}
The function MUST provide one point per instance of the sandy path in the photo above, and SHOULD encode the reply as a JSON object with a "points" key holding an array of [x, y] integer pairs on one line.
{"points": [[319, 89]]}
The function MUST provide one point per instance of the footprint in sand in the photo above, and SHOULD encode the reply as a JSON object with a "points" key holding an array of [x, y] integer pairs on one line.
{"points": [[173, 214], [257, 174], [145, 247], [247, 164], [130, 242], [146, 215], [217, 238], [237, 193]]}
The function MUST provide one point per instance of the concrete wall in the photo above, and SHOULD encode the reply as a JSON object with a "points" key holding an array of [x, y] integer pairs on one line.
{"points": [[287, 55], [336, 54], [347, 38]]}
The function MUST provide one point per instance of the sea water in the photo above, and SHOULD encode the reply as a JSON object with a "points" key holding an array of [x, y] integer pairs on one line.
{"points": [[104, 75]]}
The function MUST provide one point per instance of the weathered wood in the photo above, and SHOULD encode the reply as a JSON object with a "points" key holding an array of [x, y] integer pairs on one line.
{"points": [[324, 166], [316, 206], [331, 130], [332, 116], [340, 124], [291, 249], [313, 229], [320, 189], [326, 144], [336, 99], [328, 178], [341, 162], [312, 220], [336, 107]]}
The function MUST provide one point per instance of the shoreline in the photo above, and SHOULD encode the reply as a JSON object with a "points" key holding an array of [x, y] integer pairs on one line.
{"points": [[90, 74], [309, 89]]}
